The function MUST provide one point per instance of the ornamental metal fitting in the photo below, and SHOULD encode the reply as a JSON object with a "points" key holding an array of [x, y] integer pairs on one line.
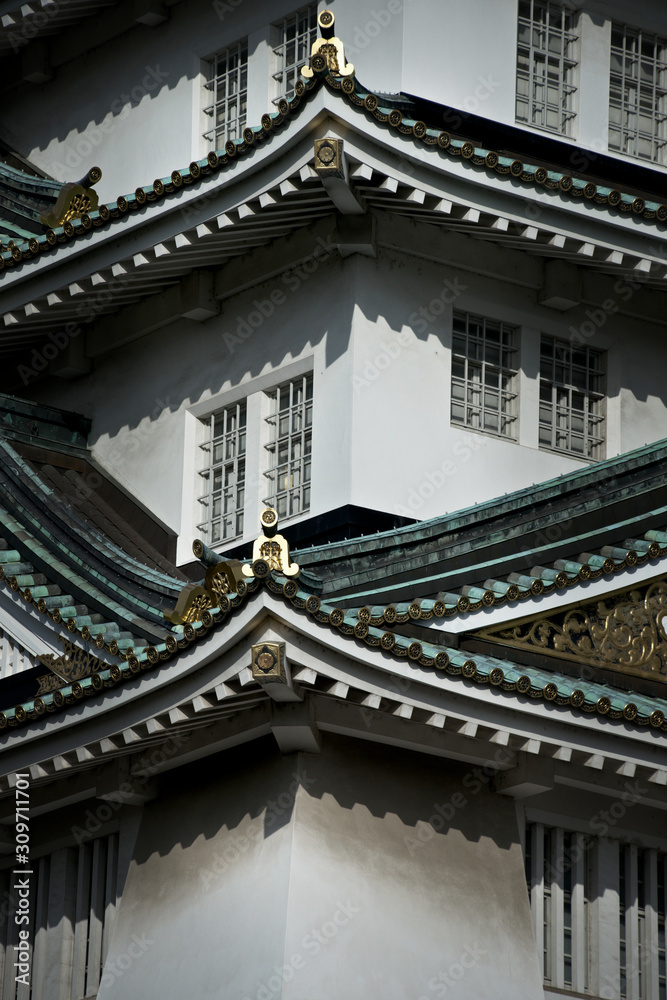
{"points": [[270, 551], [268, 662], [327, 53], [328, 157], [72, 665], [195, 599], [74, 200]]}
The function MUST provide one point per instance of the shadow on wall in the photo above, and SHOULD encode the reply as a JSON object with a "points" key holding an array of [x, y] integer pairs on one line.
{"points": [[255, 781]]}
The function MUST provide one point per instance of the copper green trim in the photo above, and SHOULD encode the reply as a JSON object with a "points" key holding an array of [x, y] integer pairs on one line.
{"points": [[161, 187], [489, 160], [531, 682], [517, 587], [132, 663]]}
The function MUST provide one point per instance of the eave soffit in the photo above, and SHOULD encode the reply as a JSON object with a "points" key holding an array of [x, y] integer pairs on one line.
{"points": [[328, 68]]}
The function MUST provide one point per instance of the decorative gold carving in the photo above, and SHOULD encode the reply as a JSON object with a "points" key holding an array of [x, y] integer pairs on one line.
{"points": [[192, 602], [73, 664], [625, 631], [327, 52], [223, 579], [270, 552], [328, 157], [268, 662], [74, 201]]}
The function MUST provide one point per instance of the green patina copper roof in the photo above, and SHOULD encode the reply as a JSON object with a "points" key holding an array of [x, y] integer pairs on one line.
{"points": [[505, 169], [542, 538], [70, 573], [23, 198], [29, 422], [66, 568], [501, 675]]}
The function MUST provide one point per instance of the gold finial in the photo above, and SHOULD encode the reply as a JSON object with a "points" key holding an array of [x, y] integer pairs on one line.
{"points": [[270, 551], [327, 52]]}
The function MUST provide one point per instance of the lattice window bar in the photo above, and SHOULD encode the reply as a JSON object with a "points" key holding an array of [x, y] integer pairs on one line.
{"points": [[570, 877], [228, 84], [546, 66], [297, 34], [642, 923], [223, 475], [484, 375], [571, 415], [290, 446], [75, 894], [638, 94], [557, 877]]}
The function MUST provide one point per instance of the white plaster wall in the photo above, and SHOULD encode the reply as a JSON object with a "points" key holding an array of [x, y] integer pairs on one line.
{"points": [[206, 887], [406, 881], [132, 105], [381, 872], [373, 35], [382, 436], [141, 396], [407, 457], [462, 55]]}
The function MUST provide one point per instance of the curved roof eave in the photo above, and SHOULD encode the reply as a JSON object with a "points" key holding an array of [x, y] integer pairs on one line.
{"points": [[144, 677], [492, 169]]}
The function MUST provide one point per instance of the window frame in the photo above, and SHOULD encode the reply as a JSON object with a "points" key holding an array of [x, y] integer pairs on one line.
{"points": [[511, 395], [233, 441], [624, 133], [568, 65], [216, 136], [301, 436], [593, 445], [302, 42], [556, 857]]}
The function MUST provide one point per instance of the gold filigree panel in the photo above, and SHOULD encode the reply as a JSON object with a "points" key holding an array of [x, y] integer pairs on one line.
{"points": [[623, 631], [72, 665]]}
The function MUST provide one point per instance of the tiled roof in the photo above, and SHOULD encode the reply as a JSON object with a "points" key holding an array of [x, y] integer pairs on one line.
{"points": [[529, 682], [533, 541], [505, 168], [23, 198], [67, 568]]}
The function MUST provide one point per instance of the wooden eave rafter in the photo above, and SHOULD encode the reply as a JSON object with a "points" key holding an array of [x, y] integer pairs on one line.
{"points": [[300, 201], [433, 657], [387, 191], [210, 702]]}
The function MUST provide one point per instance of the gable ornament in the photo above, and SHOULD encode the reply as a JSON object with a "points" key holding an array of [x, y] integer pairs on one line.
{"points": [[327, 52]]}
